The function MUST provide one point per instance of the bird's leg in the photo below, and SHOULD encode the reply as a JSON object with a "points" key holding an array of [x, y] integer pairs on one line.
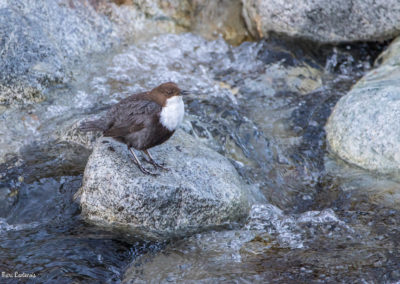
{"points": [[154, 163], [137, 162]]}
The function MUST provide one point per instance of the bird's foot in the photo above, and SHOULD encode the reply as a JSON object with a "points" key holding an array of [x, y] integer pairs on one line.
{"points": [[139, 165], [156, 165], [160, 166], [147, 172]]}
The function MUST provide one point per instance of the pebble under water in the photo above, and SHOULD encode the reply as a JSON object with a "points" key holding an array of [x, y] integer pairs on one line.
{"points": [[262, 105]]}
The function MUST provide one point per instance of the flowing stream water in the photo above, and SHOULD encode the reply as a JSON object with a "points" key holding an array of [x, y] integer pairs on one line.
{"points": [[263, 105]]}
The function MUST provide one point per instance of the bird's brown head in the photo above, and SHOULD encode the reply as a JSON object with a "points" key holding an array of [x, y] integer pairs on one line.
{"points": [[165, 91]]}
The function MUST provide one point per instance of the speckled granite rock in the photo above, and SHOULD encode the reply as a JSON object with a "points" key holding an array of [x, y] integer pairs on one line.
{"points": [[364, 127], [202, 190], [324, 21]]}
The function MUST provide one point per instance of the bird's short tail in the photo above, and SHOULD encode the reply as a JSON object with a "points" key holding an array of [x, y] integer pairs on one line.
{"points": [[92, 125]]}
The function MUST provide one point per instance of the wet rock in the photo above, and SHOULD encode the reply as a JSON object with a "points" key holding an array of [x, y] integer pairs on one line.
{"points": [[363, 128], [324, 21], [202, 190]]}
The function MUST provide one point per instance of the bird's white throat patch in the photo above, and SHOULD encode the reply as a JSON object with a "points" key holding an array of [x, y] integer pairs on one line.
{"points": [[172, 114]]}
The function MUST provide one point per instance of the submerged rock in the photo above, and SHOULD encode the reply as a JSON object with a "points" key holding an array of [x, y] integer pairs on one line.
{"points": [[202, 190], [364, 127], [324, 21]]}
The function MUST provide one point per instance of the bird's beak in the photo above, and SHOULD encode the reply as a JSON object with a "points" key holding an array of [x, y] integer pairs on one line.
{"points": [[184, 92]]}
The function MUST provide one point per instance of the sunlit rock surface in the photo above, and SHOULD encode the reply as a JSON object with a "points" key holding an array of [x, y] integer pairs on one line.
{"points": [[202, 190], [364, 127], [324, 21]]}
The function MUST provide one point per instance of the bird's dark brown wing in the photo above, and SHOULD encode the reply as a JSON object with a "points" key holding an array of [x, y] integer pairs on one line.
{"points": [[130, 115]]}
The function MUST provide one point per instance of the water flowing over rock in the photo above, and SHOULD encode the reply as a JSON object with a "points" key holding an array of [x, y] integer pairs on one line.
{"points": [[324, 21], [364, 127], [202, 190]]}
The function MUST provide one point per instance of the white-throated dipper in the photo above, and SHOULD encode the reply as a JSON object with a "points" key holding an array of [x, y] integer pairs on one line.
{"points": [[143, 120]]}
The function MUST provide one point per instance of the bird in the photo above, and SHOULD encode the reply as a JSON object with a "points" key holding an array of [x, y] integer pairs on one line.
{"points": [[143, 120]]}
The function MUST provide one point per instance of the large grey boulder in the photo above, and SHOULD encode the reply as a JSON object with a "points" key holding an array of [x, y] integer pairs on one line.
{"points": [[364, 127], [323, 20], [202, 190]]}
